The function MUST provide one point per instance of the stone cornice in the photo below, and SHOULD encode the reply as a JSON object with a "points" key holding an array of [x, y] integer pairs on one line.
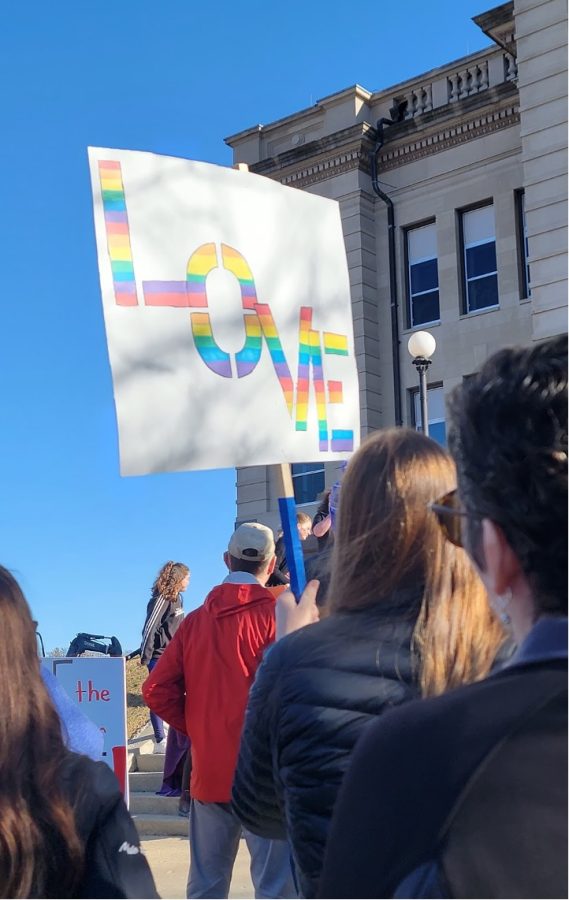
{"points": [[349, 150], [452, 136], [329, 146], [498, 24], [356, 91]]}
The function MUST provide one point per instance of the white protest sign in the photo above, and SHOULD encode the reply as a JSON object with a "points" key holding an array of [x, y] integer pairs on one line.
{"points": [[98, 686], [228, 317]]}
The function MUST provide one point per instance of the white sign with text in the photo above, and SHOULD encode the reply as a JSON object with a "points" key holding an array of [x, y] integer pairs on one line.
{"points": [[228, 316], [98, 686]]}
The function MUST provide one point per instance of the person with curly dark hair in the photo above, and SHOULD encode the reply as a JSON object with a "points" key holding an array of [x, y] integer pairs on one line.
{"points": [[64, 828], [164, 614], [465, 795]]}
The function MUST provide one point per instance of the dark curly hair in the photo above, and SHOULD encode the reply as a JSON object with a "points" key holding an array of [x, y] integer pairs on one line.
{"points": [[508, 435]]}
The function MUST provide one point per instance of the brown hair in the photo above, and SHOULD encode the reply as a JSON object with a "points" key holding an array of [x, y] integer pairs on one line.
{"points": [[388, 542], [169, 579], [41, 854], [251, 566], [303, 518]]}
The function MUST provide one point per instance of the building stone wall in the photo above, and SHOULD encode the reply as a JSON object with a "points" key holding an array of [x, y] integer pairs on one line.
{"points": [[541, 38], [456, 139], [485, 168]]}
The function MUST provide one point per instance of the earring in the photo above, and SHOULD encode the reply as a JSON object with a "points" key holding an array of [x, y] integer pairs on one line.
{"points": [[501, 605]]}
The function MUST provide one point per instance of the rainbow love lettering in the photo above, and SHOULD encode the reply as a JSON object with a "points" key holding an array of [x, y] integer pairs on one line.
{"points": [[259, 325]]}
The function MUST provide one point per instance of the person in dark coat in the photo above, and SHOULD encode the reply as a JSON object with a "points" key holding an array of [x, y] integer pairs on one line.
{"points": [[65, 830], [322, 523], [408, 617], [281, 574], [465, 795]]}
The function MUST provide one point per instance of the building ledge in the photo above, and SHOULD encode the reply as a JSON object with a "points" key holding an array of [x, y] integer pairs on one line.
{"points": [[355, 92], [498, 25], [404, 142]]}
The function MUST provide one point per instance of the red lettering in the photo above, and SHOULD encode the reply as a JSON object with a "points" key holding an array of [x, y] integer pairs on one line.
{"points": [[93, 692], [90, 693]]}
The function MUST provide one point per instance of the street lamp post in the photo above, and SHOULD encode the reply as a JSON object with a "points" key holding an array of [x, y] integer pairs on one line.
{"points": [[421, 346]]}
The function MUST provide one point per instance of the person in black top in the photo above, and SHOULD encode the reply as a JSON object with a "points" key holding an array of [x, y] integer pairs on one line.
{"points": [[407, 617], [322, 522], [465, 795], [319, 566], [64, 828], [164, 614], [281, 572]]}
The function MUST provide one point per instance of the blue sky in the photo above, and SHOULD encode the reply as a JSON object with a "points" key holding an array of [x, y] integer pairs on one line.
{"points": [[172, 77]]}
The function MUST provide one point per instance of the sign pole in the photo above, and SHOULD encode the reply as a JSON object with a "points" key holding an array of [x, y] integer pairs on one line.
{"points": [[293, 548]]}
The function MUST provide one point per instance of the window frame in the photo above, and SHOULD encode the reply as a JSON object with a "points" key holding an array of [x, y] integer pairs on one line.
{"points": [[408, 293], [465, 311], [522, 245]]}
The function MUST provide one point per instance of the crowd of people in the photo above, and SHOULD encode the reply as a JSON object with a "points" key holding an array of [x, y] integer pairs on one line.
{"points": [[405, 738]]}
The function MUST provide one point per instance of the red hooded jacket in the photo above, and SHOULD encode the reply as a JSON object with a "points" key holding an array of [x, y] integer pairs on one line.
{"points": [[201, 683]]}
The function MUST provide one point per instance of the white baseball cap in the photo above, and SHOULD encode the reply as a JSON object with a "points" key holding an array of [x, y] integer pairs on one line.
{"points": [[252, 541]]}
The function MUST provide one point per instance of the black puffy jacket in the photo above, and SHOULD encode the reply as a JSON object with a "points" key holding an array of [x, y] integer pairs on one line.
{"points": [[115, 865], [314, 695]]}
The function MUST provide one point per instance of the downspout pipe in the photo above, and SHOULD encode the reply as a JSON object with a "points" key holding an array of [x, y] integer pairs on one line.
{"points": [[392, 267]]}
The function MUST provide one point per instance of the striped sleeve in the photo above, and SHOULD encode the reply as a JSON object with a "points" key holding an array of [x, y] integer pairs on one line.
{"points": [[152, 624]]}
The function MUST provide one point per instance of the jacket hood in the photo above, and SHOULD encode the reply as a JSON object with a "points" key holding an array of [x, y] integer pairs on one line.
{"points": [[230, 599]]}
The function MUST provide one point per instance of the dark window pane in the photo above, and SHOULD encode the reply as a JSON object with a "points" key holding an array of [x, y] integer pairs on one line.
{"points": [[483, 293], [481, 259], [424, 276], [307, 487], [425, 308]]}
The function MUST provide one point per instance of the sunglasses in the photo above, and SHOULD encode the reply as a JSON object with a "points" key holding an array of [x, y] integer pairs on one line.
{"points": [[450, 514]]}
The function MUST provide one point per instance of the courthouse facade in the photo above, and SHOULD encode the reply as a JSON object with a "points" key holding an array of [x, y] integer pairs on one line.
{"points": [[471, 159]]}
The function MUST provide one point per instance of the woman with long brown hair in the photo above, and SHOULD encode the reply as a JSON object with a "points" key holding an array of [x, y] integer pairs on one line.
{"points": [[63, 822], [407, 616], [164, 614]]}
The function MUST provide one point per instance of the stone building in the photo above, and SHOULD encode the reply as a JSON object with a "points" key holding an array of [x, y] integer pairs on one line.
{"points": [[453, 196]]}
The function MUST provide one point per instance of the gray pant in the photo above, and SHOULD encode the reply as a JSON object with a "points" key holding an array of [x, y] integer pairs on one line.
{"points": [[214, 841]]}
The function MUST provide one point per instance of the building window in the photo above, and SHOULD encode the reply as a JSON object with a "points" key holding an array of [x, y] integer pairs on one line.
{"points": [[422, 275], [307, 481], [436, 406], [525, 283], [479, 259]]}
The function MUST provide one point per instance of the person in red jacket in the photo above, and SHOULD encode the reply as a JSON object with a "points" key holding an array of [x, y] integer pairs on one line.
{"points": [[200, 686]]}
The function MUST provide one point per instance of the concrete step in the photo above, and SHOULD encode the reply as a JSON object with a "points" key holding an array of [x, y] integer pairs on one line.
{"points": [[145, 781], [151, 804], [164, 826], [150, 762], [143, 743]]}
